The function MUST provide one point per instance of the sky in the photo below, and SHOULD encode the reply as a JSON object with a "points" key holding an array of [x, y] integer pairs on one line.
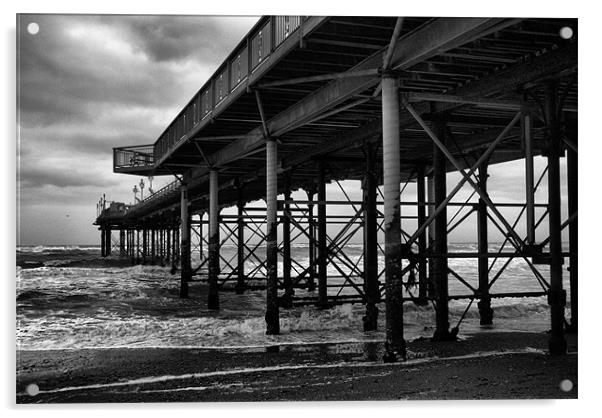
{"points": [[88, 83]]}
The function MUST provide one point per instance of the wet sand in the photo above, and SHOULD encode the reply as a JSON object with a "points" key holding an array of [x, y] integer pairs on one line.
{"points": [[489, 365]]}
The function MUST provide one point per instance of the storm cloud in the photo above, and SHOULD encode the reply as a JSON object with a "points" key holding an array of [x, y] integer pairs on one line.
{"points": [[86, 84]]}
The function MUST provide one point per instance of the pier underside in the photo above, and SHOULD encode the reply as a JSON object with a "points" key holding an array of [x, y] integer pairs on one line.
{"points": [[422, 104]]}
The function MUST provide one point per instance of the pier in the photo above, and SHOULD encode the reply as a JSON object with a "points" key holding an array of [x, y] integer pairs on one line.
{"points": [[303, 102]]}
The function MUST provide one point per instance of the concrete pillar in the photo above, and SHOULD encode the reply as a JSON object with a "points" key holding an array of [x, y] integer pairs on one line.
{"points": [[272, 315], [311, 228], [572, 174], [394, 339], [371, 287], [213, 297], [186, 268], [484, 304], [286, 300], [422, 239], [322, 255], [240, 234], [556, 294], [440, 275]]}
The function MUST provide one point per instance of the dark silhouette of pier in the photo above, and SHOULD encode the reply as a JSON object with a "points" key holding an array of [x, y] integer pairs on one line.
{"points": [[305, 101]]}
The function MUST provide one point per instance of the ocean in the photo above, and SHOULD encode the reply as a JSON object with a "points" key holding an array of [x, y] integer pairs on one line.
{"points": [[68, 297]]}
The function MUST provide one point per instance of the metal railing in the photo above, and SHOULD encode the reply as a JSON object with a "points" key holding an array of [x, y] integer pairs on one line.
{"points": [[265, 38], [170, 188], [141, 156]]}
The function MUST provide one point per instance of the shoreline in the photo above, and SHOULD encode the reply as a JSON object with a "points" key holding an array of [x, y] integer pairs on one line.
{"points": [[489, 365]]}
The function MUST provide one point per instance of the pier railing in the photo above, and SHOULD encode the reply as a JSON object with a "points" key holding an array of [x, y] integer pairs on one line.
{"points": [[171, 188], [134, 157], [254, 50]]}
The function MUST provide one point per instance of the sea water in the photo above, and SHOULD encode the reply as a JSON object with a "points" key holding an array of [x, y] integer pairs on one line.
{"points": [[69, 297]]}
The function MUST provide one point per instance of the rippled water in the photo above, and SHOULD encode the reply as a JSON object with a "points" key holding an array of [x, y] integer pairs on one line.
{"points": [[93, 303]]}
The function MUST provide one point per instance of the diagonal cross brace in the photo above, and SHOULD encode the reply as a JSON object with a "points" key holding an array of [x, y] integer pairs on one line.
{"points": [[466, 177]]}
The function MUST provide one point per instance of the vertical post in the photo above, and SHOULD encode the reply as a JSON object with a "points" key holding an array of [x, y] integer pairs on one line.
{"points": [[201, 253], [174, 247], [322, 256], [573, 198], [287, 298], [440, 278], [137, 244], [133, 246], [484, 304], [103, 242], [422, 243], [529, 186], [394, 340], [168, 255], [371, 288], [186, 268], [144, 244], [311, 229], [121, 242], [556, 294], [213, 297], [108, 243], [272, 315], [431, 234], [240, 234], [162, 245], [153, 239]]}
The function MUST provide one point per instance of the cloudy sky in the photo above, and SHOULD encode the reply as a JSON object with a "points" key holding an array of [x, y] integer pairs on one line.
{"points": [[90, 83]]}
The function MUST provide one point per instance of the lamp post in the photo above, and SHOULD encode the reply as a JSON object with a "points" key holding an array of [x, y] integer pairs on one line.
{"points": [[141, 189], [135, 190]]}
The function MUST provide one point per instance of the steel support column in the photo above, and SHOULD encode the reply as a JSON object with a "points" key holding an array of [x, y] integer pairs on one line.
{"points": [[422, 239], [174, 248], [153, 239], [529, 182], [440, 272], [572, 172], [144, 244], [168, 252], [137, 233], [394, 339], [213, 297], [484, 304], [431, 234], [286, 301], [103, 241], [322, 251], [556, 294], [371, 285], [108, 243], [186, 268], [122, 243], [272, 315], [311, 229], [240, 234]]}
